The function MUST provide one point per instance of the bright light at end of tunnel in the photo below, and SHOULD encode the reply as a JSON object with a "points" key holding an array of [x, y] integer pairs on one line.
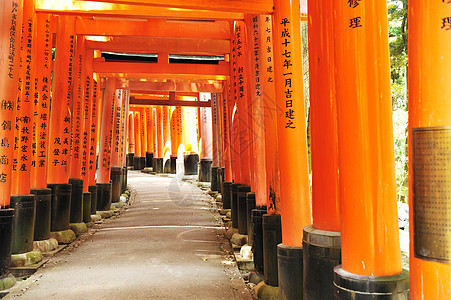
{"points": [[96, 38]]}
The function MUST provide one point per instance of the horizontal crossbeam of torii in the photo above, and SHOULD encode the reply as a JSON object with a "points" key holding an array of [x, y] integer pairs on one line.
{"points": [[158, 102], [247, 6]]}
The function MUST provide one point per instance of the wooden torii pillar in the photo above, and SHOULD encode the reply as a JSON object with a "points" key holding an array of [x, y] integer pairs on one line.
{"points": [[371, 256], [10, 34], [60, 124], [429, 160], [324, 234]]}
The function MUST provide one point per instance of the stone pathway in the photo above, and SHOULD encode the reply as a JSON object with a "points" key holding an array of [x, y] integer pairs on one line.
{"points": [[168, 245]]}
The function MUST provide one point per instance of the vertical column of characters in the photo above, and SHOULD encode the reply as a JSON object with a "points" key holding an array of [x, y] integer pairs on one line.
{"points": [[258, 125], [41, 115], [93, 140], [143, 131], [11, 18], [60, 118], [77, 109], [23, 152], [116, 143], [292, 133], [270, 110], [106, 131], [87, 118], [242, 95]]}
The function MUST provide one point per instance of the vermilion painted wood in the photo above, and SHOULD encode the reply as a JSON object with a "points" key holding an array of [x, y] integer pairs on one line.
{"points": [[429, 106]]}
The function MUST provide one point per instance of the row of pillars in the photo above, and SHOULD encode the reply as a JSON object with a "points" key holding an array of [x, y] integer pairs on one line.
{"points": [[55, 119], [341, 241], [160, 135]]}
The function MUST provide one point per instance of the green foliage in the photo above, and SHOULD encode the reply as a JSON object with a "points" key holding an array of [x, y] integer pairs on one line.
{"points": [[397, 25]]}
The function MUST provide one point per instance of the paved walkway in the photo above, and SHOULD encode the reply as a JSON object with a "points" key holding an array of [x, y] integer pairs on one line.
{"points": [[168, 245]]}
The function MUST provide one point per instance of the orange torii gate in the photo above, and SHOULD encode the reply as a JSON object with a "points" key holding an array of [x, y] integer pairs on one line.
{"points": [[258, 97]]}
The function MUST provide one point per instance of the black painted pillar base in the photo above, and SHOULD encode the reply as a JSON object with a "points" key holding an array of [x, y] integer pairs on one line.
{"points": [[167, 166], [124, 179], [130, 157], [93, 190], [6, 239], [158, 165], [87, 207], [250, 206], [149, 159], [226, 197], [214, 179], [257, 244], [173, 164], [43, 199], [103, 196], [322, 253], [205, 170], [272, 236], [348, 286], [76, 202], [116, 184], [23, 230], [234, 203], [220, 180], [190, 162], [61, 198], [242, 208], [142, 162], [137, 163], [290, 272]]}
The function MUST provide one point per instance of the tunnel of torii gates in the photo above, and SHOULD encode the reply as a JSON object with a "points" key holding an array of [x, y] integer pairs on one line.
{"points": [[151, 83]]}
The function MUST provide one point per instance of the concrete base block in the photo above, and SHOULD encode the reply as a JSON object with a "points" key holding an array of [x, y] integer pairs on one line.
{"points": [[118, 204], [239, 239], [26, 259], [244, 258], [45, 246], [229, 214], [230, 232], [78, 228], [147, 170], [105, 214], [266, 292], [223, 212], [218, 198], [63, 237], [7, 283], [256, 278], [96, 218]]}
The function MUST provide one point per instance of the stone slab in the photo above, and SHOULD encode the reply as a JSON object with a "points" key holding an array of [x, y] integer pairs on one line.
{"points": [[78, 228], [46, 246], [266, 292], [26, 259], [63, 237]]}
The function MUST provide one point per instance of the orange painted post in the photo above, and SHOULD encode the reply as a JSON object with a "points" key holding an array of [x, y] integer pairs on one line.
{"points": [[143, 133], [325, 231], [116, 163], [292, 137], [370, 251], [174, 139], [86, 119], [77, 106], [124, 130], [23, 152], [166, 127], [258, 44], [137, 128], [242, 96], [269, 106], [429, 162], [158, 161], [216, 145], [93, 142], [131, 139], [10, 32], [225, 117], [106, 131], [104, 194], [42, 102], [234, 120], [150, 137], [60, 119], [77, 109], [206, 137]]}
